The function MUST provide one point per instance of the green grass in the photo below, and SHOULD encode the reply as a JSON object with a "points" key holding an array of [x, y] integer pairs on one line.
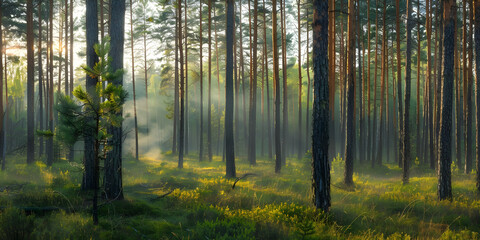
{"points": [[266, 205]]}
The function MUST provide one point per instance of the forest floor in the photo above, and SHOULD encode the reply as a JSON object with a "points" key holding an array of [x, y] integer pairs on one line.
{"points": [[197, 202]]}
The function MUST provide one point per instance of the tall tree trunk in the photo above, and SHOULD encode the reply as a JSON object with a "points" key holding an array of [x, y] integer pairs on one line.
{"points": [[69, 62], [229, 105], [439, 76], [285, 133], [145, 63], [406, 115], [7, 108], [2, 125], [113, 162], [67, 66], [50, 89], [307, 122], [331, 80], [360, 83], [477, 91], [300, 148], [320, 141], [350, 131], [468, 97], [253, 91], [419, 52], [344, 74], [395, 112], [465, 81], [209, 120], [30, 85], [374, 129], [200, 154], [176, 89], [369, 128], [219, 97], [265, 53], [186, 81], [276, 87], [380, 131], [242, 64], [102, 23], [399, 75], [429, 80], [71, 51], [458, 104], [40, 86], [89, 175], [445, 146], [60, 52], [182, 89], [133, 80]]}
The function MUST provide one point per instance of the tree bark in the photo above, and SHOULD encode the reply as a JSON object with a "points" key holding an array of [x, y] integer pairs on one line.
{"points": [[2, 125], [50, 89], [71, 54], [253, 91], [186, 81], [145, 63], [320, 141], [465, 84], [200, 155], [445, 141], [265, 53], [229, 105], [92, 58], [331, 76], [276, 87], [285, 133], [374, 129], [307, 123], [113, 163], [181, 143], [399, 76], [30, 85], [382, 88], [429, 80], [176, 90], [419, 52], [468, 97], [360, 145], [350, 131], [477, 91], [67, 47], [406, 115], [300, 148], [209, 120], [40, 87], [133, 81]]}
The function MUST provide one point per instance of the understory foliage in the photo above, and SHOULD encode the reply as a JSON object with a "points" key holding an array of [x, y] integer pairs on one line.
{"points": [[78, 116], [163, 202]]}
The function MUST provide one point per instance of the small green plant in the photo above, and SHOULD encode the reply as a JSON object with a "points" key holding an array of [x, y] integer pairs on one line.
{"points": [[15, 225], [304, 228], [337, 164], [232, 228], [94, 110], [63, 225]]}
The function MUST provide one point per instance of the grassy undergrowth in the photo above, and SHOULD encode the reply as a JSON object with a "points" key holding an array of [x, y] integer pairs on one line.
{"points": [[40, 202]]}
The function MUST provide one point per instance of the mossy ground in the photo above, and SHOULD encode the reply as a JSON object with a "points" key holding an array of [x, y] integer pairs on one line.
{"points": [[266, 205]]}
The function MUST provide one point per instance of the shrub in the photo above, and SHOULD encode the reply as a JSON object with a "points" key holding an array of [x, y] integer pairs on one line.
{"points": [[64, 226], [15, 225], [231, 228]]}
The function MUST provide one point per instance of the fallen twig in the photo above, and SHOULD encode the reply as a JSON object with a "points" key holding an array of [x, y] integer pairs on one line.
{"points": [[242, 177], [163, 195]]}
